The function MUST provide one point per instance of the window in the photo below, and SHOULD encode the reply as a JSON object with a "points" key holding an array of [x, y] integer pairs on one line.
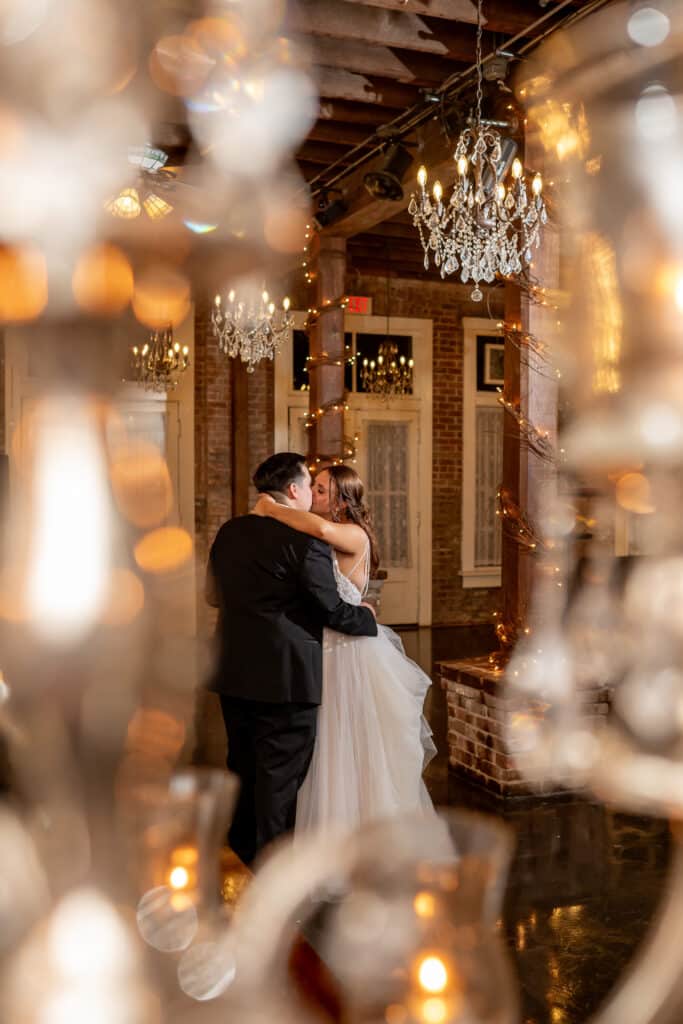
{"points": [[357, 347], [368, 345], [488, 475]]}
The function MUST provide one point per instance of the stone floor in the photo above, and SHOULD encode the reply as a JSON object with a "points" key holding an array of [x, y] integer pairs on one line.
{"points": [[585, 881]]}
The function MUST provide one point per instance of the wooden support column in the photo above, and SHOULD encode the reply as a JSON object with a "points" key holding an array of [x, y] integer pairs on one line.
{"points": [[326, 374], [528, 479], [240, 438]]}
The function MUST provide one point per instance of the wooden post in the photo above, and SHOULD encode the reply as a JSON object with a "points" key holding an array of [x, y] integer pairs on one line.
{"points": [[528, 478], [326, 373]]}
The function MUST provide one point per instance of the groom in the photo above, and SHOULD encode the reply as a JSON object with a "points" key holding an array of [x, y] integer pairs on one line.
{"points": [[276, 591]]}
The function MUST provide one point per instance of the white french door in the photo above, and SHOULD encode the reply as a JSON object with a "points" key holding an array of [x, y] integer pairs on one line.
{"points": [[388, 463], [393, 456]]}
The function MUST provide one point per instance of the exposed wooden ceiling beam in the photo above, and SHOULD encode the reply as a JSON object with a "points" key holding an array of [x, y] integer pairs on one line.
{"points": [[356, 113], [338, 83], [322, 152], [506, 16], [339, 132], [397, 268], [452, 10], [402, 65], [362, 59], [308, 169], [333, 18], [390, 229]]}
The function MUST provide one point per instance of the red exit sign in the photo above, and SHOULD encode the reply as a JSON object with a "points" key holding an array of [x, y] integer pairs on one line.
{"points": [[359, 304]]}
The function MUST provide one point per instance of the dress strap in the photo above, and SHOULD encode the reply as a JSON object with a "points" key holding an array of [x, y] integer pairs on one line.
{"points": [[364, 561]]}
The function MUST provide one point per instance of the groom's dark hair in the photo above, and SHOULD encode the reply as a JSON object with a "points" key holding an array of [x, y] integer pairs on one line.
{"points": [[279, 471]]}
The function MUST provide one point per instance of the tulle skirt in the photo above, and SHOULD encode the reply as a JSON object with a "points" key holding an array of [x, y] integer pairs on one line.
{"points": [[373, 742]]}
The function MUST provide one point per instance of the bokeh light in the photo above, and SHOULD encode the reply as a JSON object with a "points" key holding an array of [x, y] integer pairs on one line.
{"points": [[161, 296], [141, 483], [103, 280], [23, 283], [163, 550]]}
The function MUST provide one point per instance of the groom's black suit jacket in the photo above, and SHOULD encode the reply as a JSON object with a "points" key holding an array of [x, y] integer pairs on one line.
{"points": [[276, 592]]}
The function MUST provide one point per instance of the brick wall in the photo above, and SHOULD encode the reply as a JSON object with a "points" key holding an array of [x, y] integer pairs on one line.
{"points": [[212, 437], [213, 425], [261, 402]]}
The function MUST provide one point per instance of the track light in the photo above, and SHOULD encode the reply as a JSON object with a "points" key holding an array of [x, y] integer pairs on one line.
{"points": [[328, 210], [386, 182]]}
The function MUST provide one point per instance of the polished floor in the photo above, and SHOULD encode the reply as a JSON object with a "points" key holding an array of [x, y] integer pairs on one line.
{"points": [[585, 881]]}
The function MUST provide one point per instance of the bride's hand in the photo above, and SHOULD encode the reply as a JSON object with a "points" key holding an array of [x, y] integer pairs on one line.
{"points": [[262, 505]]}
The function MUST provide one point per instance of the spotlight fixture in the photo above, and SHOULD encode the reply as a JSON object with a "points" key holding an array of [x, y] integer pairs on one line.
{"points": [[328, 210], [386, 182]]}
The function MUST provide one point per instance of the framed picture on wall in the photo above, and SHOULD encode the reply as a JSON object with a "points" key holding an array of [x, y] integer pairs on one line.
{"points": [[490, 362]]}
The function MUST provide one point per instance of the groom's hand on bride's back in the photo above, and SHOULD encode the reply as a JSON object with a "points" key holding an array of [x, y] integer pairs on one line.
{"points": [[365, 604]]}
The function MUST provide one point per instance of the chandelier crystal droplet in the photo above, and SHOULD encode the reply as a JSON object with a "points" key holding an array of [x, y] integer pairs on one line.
{"points": [[486, 227], [251, 329]]}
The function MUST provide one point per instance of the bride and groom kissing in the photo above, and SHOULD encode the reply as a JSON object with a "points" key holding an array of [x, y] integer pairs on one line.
{"points": [[322, 708]]}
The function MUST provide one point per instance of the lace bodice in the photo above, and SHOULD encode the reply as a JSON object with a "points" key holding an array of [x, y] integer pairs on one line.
{"points": [[347, 590]]}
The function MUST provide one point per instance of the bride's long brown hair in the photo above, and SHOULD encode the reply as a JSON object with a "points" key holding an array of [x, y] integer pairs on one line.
{"points": [[347, 505]]}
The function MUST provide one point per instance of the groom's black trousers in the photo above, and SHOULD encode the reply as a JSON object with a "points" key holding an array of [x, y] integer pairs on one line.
{"points": [[269, 748]]}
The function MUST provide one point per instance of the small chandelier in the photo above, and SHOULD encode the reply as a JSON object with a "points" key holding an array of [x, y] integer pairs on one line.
{"points": [[486, 228], [159, 363], [249, 329], [388, 375], [153, 178]]}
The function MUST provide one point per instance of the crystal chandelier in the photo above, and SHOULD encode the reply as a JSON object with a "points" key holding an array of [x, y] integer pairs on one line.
{"points": [[253, 330], [159, 363], [486, 228], [388, 375]]}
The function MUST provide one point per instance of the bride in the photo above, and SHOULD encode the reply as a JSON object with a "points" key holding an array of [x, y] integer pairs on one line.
{"points": [[373, 742]]}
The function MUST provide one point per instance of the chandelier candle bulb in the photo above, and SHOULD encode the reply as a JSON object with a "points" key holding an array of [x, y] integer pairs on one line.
{"points": [[517, 168], [422, 177], [462, 166], [537, 185]]}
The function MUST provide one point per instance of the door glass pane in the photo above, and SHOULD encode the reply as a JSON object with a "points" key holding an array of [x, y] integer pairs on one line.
{"points": [[489, 473], [367, 347], [387, 490]]}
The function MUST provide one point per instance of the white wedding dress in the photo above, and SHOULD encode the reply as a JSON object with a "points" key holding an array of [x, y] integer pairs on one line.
{"points": [[372, 742]]}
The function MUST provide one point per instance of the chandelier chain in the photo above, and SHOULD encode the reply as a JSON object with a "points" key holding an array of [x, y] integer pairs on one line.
{"points": [[479, 70], [488, 226]]}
